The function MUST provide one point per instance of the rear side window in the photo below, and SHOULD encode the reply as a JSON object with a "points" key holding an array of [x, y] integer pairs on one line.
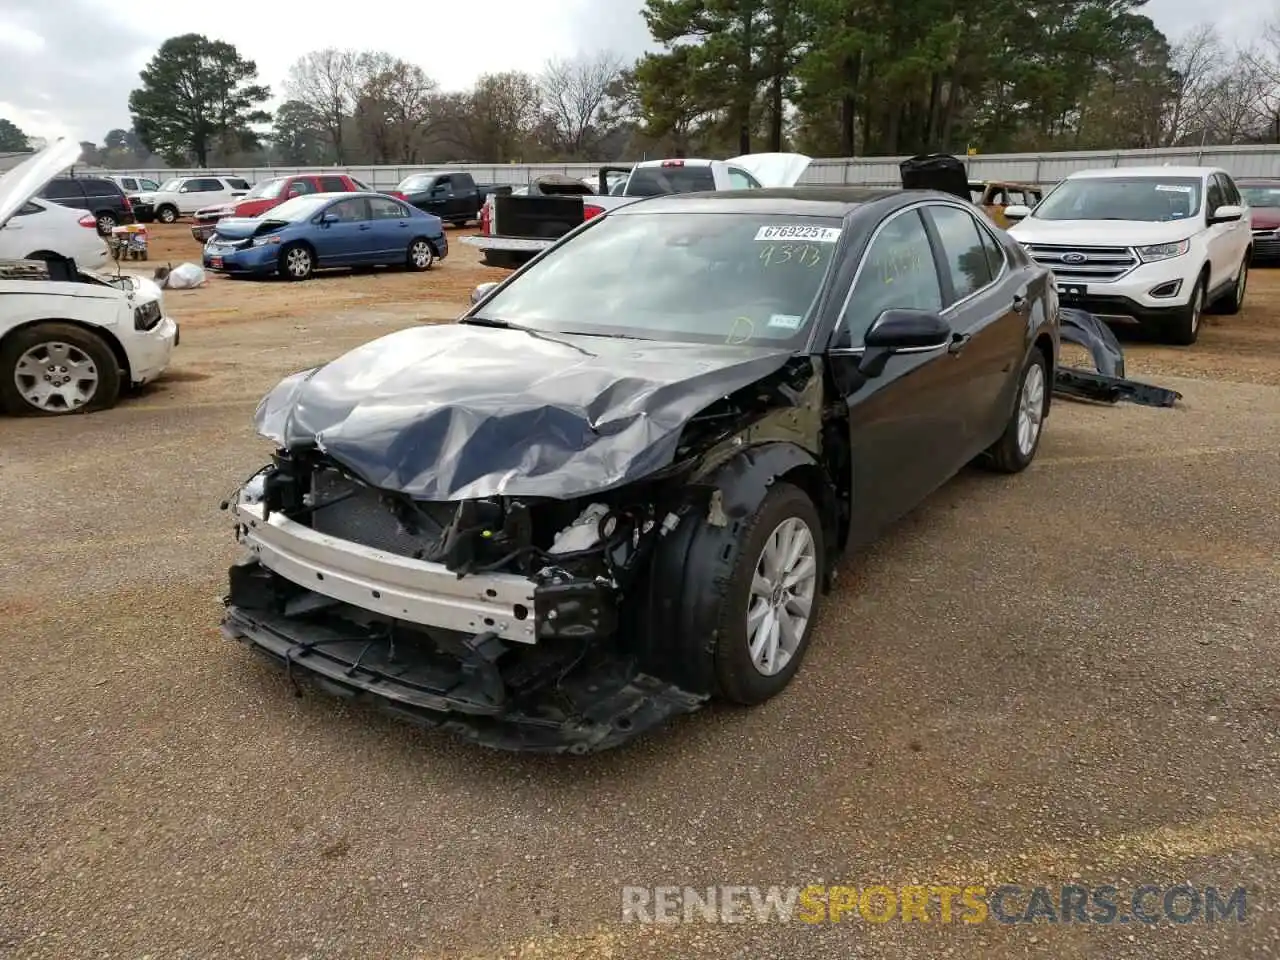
{"points": [[962, 246], [63, 189], [27, 209], [204, 185], [333, 185], [129, 183], [98, 188], [656, 181], [741, 180], [384, 208]]}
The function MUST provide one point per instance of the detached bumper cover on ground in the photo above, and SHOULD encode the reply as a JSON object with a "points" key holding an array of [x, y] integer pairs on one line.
{"points": [[1108, 384]]}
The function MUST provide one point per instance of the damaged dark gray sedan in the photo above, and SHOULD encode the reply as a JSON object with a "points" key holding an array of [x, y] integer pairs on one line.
{"points": [[618, 486]]}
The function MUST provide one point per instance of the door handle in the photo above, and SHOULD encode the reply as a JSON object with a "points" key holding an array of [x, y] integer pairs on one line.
{"points": [[404, 223], [364, 226], [1019, 303], [958, 342]]}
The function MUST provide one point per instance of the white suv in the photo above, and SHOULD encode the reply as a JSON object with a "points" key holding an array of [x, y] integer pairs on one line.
{"points": [[1153, 246], [183, 196]]}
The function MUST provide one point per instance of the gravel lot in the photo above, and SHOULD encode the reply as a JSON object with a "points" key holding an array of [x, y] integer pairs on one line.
{"points": [[1067, 674]]}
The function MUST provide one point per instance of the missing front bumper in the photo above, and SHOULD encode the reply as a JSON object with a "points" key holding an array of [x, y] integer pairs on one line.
{"points": [[559, 697]]}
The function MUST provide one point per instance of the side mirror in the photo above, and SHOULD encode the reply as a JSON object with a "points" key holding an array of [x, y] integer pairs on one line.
{"points": [[329, 218], [482, 291], [1226, 214], [184, 190], [899, 330], [1017, 211]]}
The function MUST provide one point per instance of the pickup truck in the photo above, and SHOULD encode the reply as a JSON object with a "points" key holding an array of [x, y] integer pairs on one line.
{"points": [[451, 195], [515, 229]]}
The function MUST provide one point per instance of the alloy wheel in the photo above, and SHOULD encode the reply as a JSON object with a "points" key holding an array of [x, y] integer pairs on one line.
{"points": [[56, 376], [782, 595]]}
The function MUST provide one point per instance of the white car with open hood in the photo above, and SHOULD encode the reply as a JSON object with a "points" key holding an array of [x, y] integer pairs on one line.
{"points": [[72, 340], [1148, 246]]}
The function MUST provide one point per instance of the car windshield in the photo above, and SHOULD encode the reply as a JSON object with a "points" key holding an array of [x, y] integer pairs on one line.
{"points": [[1151, 199], [1261, 196], [298, 208], [267, 190], [745, 278], [170, 186], [415, 183]]}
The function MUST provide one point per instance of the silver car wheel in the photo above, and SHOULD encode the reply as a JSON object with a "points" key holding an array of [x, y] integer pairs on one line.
{"points": [[1197, 306], [420, 254], [782, 594], [1030, 409], [56, 376], [298, 262]]}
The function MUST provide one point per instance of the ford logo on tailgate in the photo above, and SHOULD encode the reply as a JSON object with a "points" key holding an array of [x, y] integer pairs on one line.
{"points": [[1074, 258]]}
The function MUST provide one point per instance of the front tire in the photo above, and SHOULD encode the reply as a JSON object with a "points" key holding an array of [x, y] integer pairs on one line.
{"points": [[1234, 300], [771, 600], [420, 255], [53, 369], [296, 262], [1184, 325], [1017, 446], [167, 214]]}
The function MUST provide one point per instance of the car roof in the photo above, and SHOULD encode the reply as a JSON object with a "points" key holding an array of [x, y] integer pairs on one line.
{"points": [[1169, 171], [818, 201], [1258, 182]]}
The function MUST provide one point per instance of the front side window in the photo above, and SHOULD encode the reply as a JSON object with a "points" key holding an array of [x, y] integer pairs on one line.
{"points": [[349, 211], [171, 186], [63, 190], [961, 239], [267, 189], [751, 278], [1145, 198], [897, 272], [238, 184], [416, 183]]}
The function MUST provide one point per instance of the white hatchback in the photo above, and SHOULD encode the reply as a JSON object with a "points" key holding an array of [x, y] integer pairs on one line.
{"points": [[39, 228]]}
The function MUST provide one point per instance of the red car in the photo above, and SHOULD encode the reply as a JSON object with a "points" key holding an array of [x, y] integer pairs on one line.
{"points": [[1263, 199], [271, 193]]}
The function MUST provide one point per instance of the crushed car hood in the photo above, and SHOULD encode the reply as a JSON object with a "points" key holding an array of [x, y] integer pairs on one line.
{"points": [[30, 176], [458, 411]]}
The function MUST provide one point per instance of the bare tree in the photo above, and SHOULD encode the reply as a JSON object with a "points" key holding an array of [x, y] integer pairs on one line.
{"points": [[574, 94], [395, 108], [1236, 105], [1196, 63], [1265, 59], [325, 81]]}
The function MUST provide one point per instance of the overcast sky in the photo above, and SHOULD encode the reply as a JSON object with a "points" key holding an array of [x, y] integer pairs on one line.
{"points": [[67, 66]]}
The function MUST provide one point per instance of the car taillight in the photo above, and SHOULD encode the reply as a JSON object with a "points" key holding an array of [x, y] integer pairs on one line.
{"points": [[673, 163], [89, 220], [128, 206], [590, 210], [484, 220]]}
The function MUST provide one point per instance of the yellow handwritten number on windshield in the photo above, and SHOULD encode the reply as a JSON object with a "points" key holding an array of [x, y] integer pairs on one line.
{"points": [[805, 254]]}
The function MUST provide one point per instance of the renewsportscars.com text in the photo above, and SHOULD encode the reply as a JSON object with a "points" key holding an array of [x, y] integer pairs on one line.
{"points": [[1008, 903]]}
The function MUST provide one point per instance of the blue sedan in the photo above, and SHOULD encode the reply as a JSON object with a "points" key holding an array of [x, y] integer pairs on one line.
{"points": [[322, 230]]}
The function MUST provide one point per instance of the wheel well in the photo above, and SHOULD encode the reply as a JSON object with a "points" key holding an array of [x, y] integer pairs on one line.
{"points": [[106, 336], [1045, 345], [817, 486], [114, 214], [300, 243]]}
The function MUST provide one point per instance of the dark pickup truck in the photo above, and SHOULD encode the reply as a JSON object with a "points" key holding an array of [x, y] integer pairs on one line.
{"points": [[451, 195]]}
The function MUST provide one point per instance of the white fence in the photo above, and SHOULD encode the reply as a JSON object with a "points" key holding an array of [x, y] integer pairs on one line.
{"points": [[1042, 168]]}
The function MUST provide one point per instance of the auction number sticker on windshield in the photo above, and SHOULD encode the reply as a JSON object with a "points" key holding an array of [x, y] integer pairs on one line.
{"points": [[787, 321], [1174, 188], [799, 232]]}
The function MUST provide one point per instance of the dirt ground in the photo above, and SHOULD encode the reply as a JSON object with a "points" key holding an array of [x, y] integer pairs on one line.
{"points": [[1068, 676]]}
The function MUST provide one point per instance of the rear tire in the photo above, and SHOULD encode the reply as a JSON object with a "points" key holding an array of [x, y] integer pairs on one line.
{"points": [[1183, 328], [74, 363], [1017, 446], [106, 222], [459, 223], [420, 255]]}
